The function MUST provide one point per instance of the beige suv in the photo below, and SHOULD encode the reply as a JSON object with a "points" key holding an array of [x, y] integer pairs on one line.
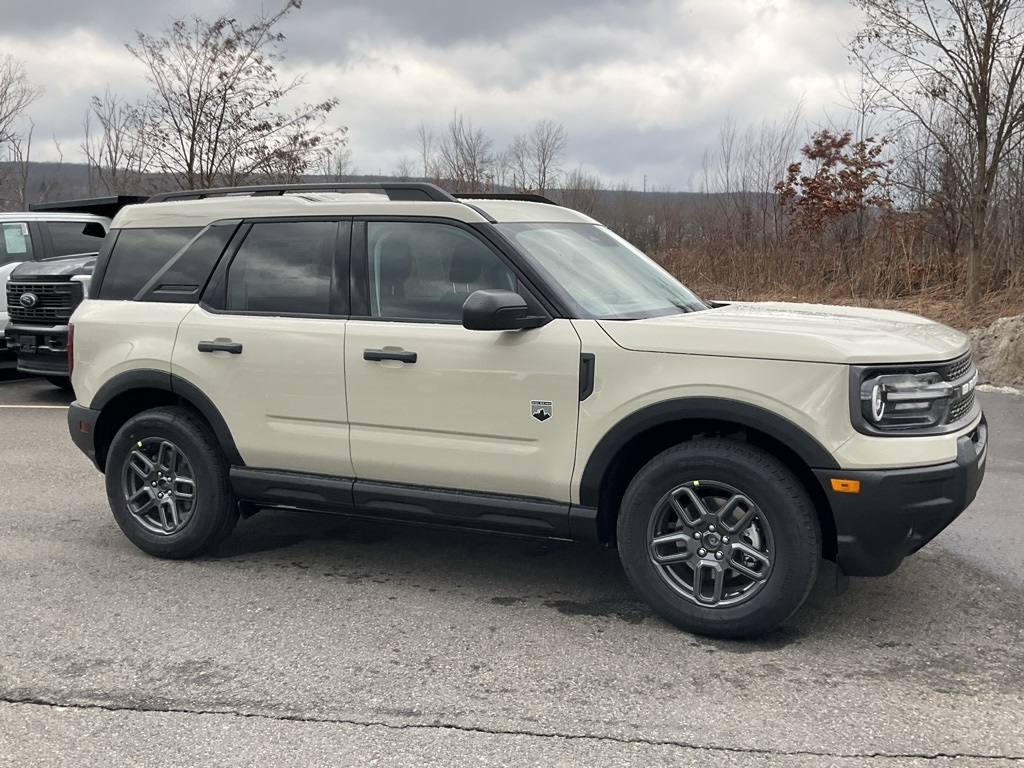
{"points": [[509, 365]]}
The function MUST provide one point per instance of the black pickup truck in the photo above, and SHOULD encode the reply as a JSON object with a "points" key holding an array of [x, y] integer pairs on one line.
{"points": [[44, 290]]}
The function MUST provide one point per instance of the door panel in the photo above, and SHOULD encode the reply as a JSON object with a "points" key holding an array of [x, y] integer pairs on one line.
{"points": [[461, 416], [282, 395]]}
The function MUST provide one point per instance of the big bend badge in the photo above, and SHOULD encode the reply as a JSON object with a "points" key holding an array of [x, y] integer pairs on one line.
{"points": [[540, 409]]}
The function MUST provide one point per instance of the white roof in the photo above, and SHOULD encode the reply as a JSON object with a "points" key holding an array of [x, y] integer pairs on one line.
{"points": [[40, 216], [199, 213]]}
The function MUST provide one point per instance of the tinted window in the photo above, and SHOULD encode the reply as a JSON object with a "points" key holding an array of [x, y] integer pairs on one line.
{"points": [[284, 268], [16, 244], [71, 237], [185, 275], [426, 271], [137, 256]]}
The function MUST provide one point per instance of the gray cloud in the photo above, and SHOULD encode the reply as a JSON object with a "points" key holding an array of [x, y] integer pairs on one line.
{"points": [[641, 87]]}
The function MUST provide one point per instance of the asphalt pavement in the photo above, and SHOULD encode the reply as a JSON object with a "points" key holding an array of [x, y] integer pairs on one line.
{"points": [[312, 640]]}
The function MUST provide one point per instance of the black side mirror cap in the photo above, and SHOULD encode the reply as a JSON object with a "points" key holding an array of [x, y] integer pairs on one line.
{"points": [[497, 310]]}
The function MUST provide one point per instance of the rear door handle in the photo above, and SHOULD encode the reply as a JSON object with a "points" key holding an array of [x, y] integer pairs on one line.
{"points": [[233, 348], [380, 354]]}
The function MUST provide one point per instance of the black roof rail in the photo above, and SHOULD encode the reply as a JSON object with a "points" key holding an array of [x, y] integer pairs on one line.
{"points": [[527, 197], [395, 190], [98, 206]]}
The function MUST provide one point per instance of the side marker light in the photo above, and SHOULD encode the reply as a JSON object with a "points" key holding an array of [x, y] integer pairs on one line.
{"points": [[845, 486]]}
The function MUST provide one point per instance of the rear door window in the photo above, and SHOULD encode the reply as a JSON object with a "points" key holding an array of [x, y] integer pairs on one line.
{"points": [[287, 268], [73, 237]]}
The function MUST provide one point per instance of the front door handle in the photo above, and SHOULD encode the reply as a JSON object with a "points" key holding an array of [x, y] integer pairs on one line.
{"points": [[380, 354], [233, 348]]}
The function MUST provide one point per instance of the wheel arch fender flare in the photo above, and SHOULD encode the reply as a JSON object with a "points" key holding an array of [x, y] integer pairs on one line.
{"points": [[714, 409], [183, 390]]}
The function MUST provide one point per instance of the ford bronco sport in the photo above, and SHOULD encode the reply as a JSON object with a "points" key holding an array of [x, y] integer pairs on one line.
{"points": [[393, 352]]}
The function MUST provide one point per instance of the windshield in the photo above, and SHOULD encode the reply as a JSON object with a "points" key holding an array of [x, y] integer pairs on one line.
{"points": [[603, 274]]}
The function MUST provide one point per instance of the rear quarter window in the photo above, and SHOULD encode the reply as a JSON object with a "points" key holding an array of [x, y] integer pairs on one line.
{"points": [[137, 256], [183, 278]]}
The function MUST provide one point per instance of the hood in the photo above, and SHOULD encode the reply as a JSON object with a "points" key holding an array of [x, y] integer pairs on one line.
{"points": [[814, 333], [64, 267]]}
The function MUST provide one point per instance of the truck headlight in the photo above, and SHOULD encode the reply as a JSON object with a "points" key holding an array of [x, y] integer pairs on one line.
{"points": [[913, 400]]}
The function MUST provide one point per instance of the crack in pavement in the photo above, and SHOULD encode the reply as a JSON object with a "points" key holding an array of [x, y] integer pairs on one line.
{"points": [[437, 725]]}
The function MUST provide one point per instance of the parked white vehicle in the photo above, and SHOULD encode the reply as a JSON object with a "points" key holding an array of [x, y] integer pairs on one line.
{"points": [[510, 365], [39, 237]]}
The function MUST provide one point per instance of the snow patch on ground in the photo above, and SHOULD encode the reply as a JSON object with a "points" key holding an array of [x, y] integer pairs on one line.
{"points": [[999, 353], [1000, 390]]}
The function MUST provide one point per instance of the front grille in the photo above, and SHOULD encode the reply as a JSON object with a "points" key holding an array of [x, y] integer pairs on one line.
{"points": [[957, 369], [55, 302]]}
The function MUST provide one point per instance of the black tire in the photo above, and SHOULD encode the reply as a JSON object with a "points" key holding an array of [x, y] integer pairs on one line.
{"points": [[177, 449], [61, 382], [778, 548]]}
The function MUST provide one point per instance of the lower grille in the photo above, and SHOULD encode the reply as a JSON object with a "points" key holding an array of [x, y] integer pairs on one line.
{"points": [[960, 408]]}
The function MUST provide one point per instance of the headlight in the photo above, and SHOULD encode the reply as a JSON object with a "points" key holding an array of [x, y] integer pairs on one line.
{"points": [[905, 400], [922, 401]]}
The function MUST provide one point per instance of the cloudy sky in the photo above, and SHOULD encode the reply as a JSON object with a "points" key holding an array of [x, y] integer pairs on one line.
{"points": [[641, 87]]}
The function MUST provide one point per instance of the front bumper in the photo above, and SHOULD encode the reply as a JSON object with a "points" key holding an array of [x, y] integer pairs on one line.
{"points": [[82, 426], [898, 511], [40, 350]]}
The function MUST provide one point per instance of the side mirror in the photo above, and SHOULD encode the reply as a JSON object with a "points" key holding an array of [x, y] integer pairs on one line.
{"points": [[495, 310]]}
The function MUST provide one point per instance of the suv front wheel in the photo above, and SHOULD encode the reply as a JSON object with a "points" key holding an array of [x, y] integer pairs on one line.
{"points": [[167, 483], [719, 538]]}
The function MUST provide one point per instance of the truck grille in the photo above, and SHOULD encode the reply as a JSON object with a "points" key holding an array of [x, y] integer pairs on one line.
{"points": [[54, 302]]}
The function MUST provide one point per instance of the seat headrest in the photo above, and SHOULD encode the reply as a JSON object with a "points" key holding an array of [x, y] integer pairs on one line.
{"points": [[466, 264], [394, 261]]}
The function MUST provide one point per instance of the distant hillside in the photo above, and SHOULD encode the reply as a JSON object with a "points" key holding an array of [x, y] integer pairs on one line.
{"points": [[48, 182]]}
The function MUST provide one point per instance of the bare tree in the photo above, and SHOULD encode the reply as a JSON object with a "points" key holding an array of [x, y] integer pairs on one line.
{"points": [[425, 136], [516, 161], [213, 115], [738, 178], [336, 164], [115, 153], [582, 191], [16, 94], [405, 169], [960, 57], [533, 159], [548, 141], [464, 155]]}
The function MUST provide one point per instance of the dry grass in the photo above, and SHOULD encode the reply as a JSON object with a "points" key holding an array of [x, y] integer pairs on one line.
{"points": [[743, 278]]}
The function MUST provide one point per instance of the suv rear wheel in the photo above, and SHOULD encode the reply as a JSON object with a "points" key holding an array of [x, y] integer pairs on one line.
{"points": [[719, 538], [167, 483]]}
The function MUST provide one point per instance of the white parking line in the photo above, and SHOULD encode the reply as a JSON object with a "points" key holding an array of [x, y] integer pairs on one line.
{"points": [[61, 407]]}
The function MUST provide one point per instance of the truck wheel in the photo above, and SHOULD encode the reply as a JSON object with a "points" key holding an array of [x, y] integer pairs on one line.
{"points": [[719, 538], [167, 484]]}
